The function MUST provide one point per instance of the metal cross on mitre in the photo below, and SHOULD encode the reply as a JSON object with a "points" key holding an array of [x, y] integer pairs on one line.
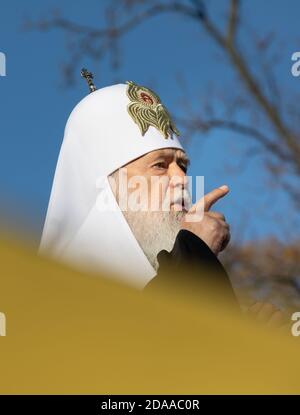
{"points": [[89, 78]]}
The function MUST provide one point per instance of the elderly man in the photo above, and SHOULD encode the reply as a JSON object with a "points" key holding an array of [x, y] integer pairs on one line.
{"points": [[192, 242], [97, 220]]}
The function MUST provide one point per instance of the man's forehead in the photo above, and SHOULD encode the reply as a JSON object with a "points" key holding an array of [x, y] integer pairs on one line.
{"points": [[168, 152]]}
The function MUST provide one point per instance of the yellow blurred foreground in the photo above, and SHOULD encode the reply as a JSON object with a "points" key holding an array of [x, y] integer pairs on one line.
{"points": [[70, 333]]}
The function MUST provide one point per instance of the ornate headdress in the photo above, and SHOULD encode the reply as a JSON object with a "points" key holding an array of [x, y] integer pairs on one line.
{"points": [[145, 107]]}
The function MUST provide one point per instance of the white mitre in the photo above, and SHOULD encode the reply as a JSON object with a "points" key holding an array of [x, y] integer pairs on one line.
{"points": [[100, 136]]}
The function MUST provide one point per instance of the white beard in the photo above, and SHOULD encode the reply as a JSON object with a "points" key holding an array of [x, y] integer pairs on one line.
{"points": [[154, 231]]}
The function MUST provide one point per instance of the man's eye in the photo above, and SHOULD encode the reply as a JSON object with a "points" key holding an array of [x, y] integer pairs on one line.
{"points": [[160, 165]]}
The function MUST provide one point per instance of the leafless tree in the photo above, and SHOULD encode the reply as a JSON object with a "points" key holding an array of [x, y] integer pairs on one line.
{"points": [[277, 134], [273, 118]]}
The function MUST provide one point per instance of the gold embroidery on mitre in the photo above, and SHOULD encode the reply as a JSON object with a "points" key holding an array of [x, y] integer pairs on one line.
{"points": [[146, 109]]}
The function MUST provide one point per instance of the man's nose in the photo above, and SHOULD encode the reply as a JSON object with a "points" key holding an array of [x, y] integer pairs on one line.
{"points": [[177, 176]]}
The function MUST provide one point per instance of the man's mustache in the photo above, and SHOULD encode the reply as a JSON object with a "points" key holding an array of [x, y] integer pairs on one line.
{"points": [[182, 198]]}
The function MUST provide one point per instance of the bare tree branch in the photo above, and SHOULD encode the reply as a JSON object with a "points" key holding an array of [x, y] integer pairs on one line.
{"points": [[233, 21], [199, 125], [95, 42], [254, 88]]}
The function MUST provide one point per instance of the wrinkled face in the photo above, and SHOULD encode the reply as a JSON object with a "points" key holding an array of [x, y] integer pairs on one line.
{"points": [[152, 193], [154, 182]]}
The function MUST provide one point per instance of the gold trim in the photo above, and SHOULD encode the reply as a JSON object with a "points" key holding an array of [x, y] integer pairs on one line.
{"points": [[146, 109]]}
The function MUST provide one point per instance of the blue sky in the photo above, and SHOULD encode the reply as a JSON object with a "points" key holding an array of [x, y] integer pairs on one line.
{"points": [[34, 106]]}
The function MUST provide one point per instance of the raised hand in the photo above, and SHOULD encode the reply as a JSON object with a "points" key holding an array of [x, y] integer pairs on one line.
{"points": [[211, 227]]}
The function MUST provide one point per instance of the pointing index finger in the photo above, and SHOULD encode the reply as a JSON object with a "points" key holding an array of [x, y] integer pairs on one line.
{"points": [[213, 196], [210, 198]]}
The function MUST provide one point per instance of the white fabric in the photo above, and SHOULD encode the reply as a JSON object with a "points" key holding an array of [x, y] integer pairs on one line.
{"points": [[100, 137]]}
